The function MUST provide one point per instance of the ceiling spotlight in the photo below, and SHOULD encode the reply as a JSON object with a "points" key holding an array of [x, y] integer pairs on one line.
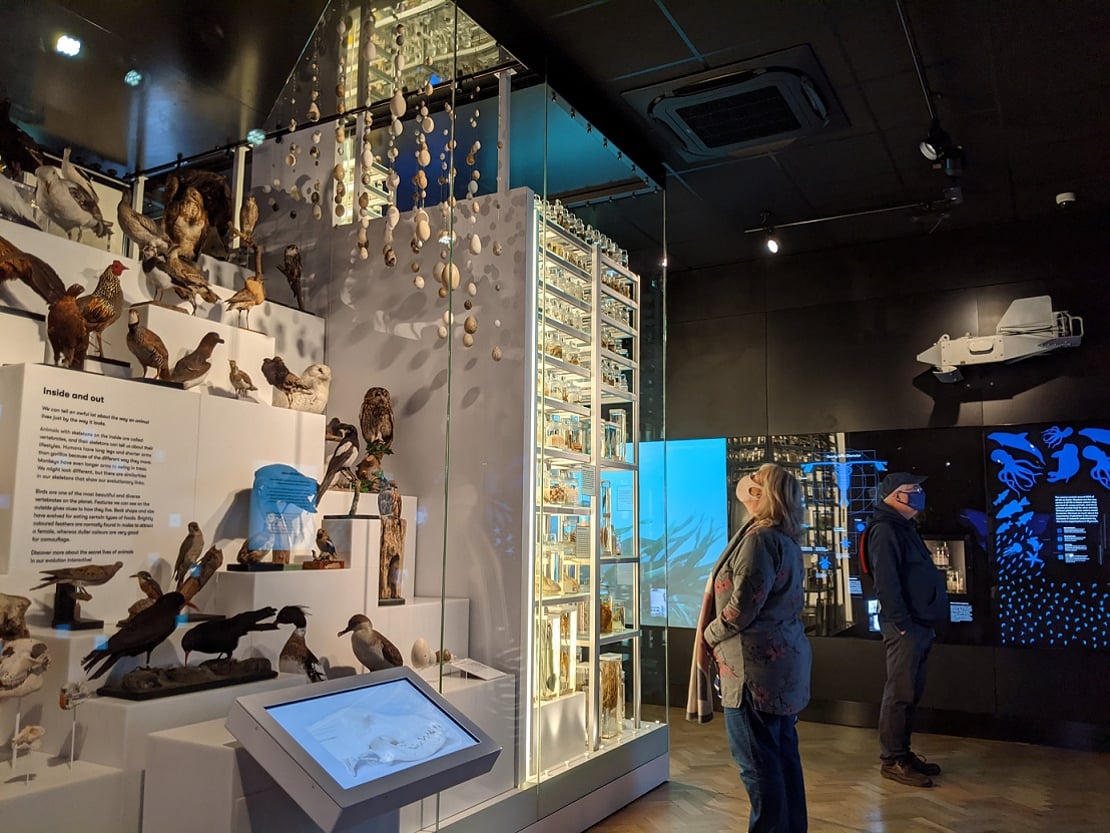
{"points": [[256, 137], [937, 143], [68, 46], [770, 239], [133, 78]]}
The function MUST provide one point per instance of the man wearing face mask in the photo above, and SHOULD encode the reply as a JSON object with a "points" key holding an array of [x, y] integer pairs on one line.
{"points": [[912, 600]]}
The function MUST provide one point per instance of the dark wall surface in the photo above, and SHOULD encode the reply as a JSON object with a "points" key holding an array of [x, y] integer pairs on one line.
{"points": [[828, 343]]}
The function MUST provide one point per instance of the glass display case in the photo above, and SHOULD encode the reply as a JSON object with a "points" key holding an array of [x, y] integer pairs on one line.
{"points": [[586, 613]]}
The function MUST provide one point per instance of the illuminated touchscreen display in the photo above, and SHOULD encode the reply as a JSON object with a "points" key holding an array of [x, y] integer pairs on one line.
{"points": [[363, 734]]}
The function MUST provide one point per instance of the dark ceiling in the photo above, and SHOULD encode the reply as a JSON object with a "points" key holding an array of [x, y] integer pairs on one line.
{"points": [[1023, 85], [212, 70]]}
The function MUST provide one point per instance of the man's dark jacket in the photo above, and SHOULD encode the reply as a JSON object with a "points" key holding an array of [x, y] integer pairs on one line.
{"points": [[908, 583]]}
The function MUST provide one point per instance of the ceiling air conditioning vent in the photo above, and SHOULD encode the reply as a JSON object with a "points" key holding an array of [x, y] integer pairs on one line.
{"points": [[745, 108], [754, 108]]}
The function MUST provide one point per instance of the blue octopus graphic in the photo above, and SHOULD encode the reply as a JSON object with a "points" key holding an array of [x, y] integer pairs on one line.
{"points": [[1100, 471], [1019, 475], [1055, 435]]}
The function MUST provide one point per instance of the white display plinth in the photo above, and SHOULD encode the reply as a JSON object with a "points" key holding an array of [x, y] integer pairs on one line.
{"points": [[239, 797], [116, 730], [181, 334], [22, 336], [45, 795]]}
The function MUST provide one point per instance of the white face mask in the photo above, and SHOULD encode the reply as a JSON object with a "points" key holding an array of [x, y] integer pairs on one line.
{"points": [[747, 490]]}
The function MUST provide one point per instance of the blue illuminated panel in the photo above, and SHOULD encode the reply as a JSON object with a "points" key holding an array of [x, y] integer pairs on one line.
{"points": [[1049, 490]]}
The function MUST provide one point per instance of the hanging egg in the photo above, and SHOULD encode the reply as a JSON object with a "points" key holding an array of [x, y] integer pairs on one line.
{"points": [[471, 324], [428, 89], [390, 256], [475, 244], [337, 172], [443, 292], [363, 238], [397, 127], [363, 200], [340, 190], [475, 175], [496, 353], [292, 125], [438, 272], [397, 104], [447, 317], [317, 211], [468, 340], [455, 277], [399, 62], [477, 146], [497, 247], [340, 210], [418, 282], [470, 158], [393, 180], [392, 217], [497, 322], [313, 112], [423, 157], [442, 331], [423, 229], [427, 124], [471, 289], [416, 245], [367, 156], [290, 159], [316, 137], [472, 188], [363, 253], [468, 304], [420, 180], [475, 206]]}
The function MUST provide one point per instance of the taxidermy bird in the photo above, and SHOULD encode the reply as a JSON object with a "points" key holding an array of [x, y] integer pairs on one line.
{"points": [[104, 305], [186, 221], [221, 636], [14, 207], [324, 546], [201, 573], [371, 648], [240, 381], [71, 173], [158, 280], [188, 281], [152, 591], [68, 204], [16, 264], [291, 268], [145, 632], [248, 219], [147, 347], [144, 232], [251, 295], [281, 377], [296, 657], [188, 553], [312, 396], [215, 193], [343, 456], [376, 418], [18, 151], [65, 327], [191, 368], [87, 575]]}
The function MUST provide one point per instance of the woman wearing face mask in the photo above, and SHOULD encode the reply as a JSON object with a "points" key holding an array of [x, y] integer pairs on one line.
{"points": [[751, 625]]}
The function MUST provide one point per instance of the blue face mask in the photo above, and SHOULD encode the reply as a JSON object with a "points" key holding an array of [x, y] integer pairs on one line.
{"points": [[916, 501]]}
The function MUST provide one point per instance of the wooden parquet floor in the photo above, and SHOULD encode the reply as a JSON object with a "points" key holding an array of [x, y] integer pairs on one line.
{"points": [[987, 787]]}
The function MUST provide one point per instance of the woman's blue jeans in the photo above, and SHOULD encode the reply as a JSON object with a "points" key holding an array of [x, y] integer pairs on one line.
{"points": [[765, 747]]}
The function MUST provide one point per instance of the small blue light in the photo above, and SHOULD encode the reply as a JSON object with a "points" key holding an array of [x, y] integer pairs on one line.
{"points": [[256, 137], [435, 80], [133, 78]]}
